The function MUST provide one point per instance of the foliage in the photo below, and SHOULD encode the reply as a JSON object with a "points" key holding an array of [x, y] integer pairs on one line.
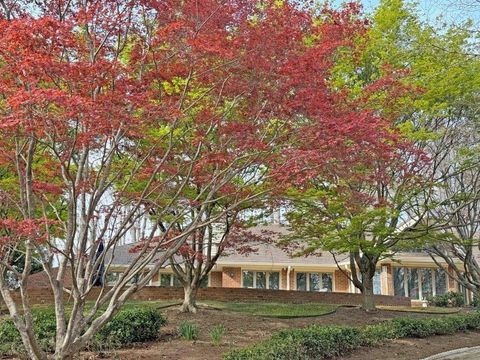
{"points": [[217, 333], [180, 107], [476, 302], [316, 342], [131, 326], [450, 299], [127, 327], [188, 330]]}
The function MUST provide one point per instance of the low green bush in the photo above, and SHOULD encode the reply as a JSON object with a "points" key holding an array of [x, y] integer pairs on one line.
{"points": [[128, 326], [131, 326], [316, 342], [188, 330], [453, 299]]}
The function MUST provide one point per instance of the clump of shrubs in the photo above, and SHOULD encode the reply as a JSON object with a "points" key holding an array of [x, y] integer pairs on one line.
{"points": [[317, 342], [126, 327], [450, 299]]}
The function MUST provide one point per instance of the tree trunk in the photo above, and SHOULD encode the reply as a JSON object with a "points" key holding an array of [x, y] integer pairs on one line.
{"points": [[189, 302], [368, 299]]}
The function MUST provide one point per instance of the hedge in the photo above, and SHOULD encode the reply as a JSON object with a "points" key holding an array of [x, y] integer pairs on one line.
{"points": [[319, 342], [454, 299], [126, 327]]}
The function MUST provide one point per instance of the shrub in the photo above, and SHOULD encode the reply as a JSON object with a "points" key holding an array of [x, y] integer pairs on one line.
{"points": [[411, 327], [317, 342], [451, 298], [188, 330], [476, 302], [133, 325], [216, 333]]}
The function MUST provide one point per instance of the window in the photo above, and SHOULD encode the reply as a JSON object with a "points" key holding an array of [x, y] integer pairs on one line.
{"points": [[399, 281], [274, 281], [261, 280], [167, 280], [302, 281], [327, 281], [314, 281], [419, 284], [204, 282], [440, 282], [248, 279], [377, 283], [427, 283], [413, 289]]}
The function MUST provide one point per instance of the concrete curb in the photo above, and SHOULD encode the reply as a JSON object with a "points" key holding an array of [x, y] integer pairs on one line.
{"points": [[463, 353]]}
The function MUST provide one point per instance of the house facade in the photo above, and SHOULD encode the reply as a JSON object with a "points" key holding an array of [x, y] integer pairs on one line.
{"points": [[413, 275]]}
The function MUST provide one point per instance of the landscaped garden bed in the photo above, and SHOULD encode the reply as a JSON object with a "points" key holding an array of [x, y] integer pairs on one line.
{"points": [[156, 330]]}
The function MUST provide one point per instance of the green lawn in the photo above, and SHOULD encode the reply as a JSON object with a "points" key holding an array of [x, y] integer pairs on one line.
{"points": [[425, 310], [275, 309]]}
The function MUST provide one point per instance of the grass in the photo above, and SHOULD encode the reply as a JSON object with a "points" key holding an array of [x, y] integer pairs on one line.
{"points": [[128, 305], [422, 310], [276, 310]]}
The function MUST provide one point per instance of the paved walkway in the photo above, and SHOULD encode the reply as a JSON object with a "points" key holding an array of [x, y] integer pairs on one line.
{"points": [[472, 353]]}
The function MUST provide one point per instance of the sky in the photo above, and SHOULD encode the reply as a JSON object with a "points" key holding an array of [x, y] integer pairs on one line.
{"points": [[451, 11]]}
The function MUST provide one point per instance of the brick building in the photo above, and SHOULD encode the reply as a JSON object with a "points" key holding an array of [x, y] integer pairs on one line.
{"points": [[413, 275]]}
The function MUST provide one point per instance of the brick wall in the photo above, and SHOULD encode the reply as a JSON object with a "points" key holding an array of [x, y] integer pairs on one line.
{"points": [[341, 282], [43, 296], [387, 280], [452, 284], [216, 279], [232, 277], [284, 285]]}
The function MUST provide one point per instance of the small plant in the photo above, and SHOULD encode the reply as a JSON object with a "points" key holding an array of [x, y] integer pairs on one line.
{"points": [[216, 333], [188, 330]]}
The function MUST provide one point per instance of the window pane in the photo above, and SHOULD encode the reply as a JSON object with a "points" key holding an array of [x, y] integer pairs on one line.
{"points": [[427, 285], [377, 283], [204, 282], [165, 279], [440, 282], [413, 292], [327, 281], [248, 279], [301, 281], [274, 281], [315, 281], [261, 281], [176, 281], [398, 281]]}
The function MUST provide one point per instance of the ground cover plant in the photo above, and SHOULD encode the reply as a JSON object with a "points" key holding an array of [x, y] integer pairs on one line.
{"points": [[131, 325], [319, 342], [188, 330]]}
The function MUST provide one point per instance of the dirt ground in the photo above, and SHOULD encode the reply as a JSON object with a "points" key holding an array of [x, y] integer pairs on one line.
{"points": [[243, 329]]}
